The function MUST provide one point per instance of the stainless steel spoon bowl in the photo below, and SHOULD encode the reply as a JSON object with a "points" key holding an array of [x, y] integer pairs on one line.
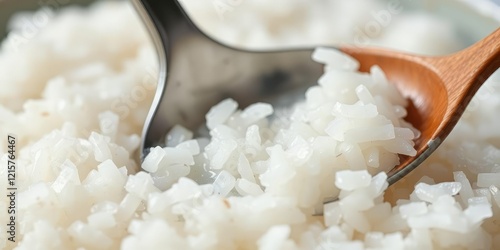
{"points": [[197, 72]]}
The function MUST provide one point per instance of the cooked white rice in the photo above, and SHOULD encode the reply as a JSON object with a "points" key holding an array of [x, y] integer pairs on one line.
{"points": [[77, 94], [350, 121]]}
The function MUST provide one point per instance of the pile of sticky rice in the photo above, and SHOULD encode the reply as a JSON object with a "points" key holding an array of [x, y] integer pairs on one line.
{"points": [[76, 95], [349, 121]]}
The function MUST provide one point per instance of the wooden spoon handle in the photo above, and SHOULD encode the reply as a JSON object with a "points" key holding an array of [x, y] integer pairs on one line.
{"points": [[464, 72]]}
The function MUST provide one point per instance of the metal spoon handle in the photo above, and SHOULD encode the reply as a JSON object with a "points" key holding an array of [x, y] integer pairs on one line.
{"points": [[166, 22], [168, 19]]}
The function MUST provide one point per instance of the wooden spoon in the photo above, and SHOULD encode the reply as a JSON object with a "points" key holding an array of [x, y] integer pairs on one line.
{"points": [[440, 88]]}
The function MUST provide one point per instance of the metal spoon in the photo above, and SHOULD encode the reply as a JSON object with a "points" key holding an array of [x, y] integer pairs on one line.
{"points": [[196, 72]]}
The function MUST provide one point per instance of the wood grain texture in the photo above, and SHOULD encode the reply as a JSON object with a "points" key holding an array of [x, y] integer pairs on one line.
{"points": [[439, 88]]}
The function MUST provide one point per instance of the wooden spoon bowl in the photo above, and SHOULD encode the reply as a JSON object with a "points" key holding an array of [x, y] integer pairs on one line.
{"points": [[439, 88]]}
